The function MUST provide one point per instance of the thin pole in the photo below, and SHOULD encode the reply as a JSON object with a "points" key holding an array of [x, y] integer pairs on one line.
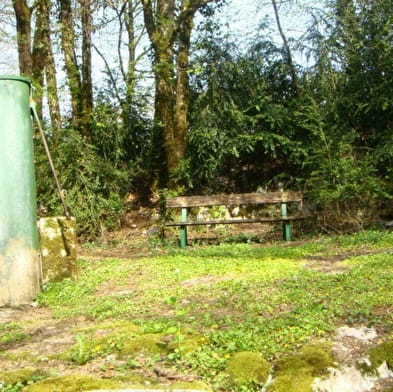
{"points": [[52, 166]]}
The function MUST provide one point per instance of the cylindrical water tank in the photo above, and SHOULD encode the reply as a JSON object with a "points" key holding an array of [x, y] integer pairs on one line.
{"points": [[19, 245]]}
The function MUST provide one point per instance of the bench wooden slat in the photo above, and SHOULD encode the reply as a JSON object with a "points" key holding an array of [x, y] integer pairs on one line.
{"points": [[236, 221], [234, 199]]}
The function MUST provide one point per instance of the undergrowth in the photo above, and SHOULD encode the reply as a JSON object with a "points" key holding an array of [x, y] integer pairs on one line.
{"points": [[203, 306]]}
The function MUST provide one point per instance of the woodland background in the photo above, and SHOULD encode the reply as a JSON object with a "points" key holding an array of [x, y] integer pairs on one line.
{"points": [[185, 107]]}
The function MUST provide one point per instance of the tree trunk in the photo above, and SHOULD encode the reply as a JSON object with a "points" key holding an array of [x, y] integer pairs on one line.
{"points": [[130, 26], [39, 53], [38, 61], [44, 64], [87, 83], [71, 65], [23, 28], [182, 86], [51, 81], [168, 31], [160, 28]]}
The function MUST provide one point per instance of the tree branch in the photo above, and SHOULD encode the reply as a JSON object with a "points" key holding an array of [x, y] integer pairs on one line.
{"points": [[287, 49], [111, 77]]}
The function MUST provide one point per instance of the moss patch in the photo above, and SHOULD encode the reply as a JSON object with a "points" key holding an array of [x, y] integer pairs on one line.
{"points": [[300, 382], [58, 248], [195, 385], [135, 380], [72, 383], [150, 344], [246, 367], [21, 375], [296, 373], [380, 354]]}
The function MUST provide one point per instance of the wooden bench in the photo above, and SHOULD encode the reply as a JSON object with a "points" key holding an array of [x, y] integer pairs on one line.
{"points": [[243, 199]]}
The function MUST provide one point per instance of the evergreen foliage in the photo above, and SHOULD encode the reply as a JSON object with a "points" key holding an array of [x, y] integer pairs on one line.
{"points": [[249, 128]]}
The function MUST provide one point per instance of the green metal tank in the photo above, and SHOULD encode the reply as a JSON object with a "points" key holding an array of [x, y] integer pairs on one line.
{"points": [[19, 246]]}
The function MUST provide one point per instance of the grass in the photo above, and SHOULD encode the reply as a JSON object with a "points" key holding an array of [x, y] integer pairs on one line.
{"points": [[10, 333], [202, 306]]}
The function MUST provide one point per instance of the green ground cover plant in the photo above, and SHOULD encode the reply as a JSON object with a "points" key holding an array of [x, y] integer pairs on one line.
{"points": [[193, 311], [10, 333]]}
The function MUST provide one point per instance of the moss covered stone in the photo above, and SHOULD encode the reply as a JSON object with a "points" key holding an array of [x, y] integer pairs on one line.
{"points": [[247, 367], [295, 373], [58, 248], [380, 354], [318, 356], [291, 382], [72, 383]]}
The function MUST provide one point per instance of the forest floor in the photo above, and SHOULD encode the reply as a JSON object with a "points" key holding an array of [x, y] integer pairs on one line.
{"points": [[145, 314]]}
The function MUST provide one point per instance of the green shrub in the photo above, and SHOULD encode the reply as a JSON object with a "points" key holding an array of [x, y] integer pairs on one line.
{"points": [[345, 186], [93, 185]]}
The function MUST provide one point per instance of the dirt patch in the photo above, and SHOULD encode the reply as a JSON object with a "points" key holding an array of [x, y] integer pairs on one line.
{"points": [[332, 264], [30, 314], [45, 333]]}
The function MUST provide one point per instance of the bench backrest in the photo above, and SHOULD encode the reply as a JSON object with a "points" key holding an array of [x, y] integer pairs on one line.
{"points": [[234, 199]]}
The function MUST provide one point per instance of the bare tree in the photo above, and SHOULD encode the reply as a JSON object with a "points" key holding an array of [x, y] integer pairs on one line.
{"points": [[124, 14]]}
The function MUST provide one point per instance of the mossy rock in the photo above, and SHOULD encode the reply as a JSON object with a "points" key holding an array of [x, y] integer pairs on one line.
{"points": [[318, 356], [291, 382], [380, 354], [295, 373], [58, 248], [72, 383], [313, 358], [247, 367]]}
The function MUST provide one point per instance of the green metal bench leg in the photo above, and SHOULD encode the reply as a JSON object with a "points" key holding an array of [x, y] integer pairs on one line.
{"points": [[286, 225], [183, 229]]}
